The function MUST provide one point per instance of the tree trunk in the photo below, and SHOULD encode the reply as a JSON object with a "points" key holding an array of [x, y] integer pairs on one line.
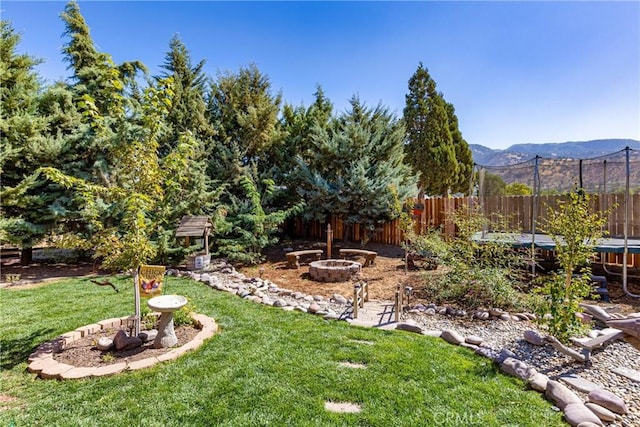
{"points": [[26, 256]]}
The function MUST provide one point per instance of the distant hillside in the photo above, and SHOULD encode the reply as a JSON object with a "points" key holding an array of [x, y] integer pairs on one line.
{"points": [[559, 166], [575, 150]]}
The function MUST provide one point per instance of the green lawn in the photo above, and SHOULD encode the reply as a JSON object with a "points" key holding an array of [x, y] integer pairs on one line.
{"points": [[266, 367]]}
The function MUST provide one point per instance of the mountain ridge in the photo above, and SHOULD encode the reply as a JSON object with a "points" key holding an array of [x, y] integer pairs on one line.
{"points": [[517, 153]]}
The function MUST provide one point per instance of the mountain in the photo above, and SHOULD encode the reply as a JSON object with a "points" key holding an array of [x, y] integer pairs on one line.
{"points": [[575, 150]]}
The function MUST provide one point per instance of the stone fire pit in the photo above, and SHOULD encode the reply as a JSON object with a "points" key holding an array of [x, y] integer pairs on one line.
{"points": [[333, 270]]}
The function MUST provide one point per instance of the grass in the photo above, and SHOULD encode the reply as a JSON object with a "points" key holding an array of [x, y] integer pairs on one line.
{"points": [[267, 367]]}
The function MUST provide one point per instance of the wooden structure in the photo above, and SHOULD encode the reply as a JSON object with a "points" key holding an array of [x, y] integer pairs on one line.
{"points": [[360, 296], [293, 258], [516, 211], [369, 256], [195, 226]]}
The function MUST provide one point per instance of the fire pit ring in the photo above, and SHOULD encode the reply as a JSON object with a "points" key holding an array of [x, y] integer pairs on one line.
{"points": [[333, 270]]}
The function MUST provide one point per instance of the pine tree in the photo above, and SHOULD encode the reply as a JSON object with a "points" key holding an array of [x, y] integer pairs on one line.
{"points": [[429, 148], [357, 168], [188, 105]]}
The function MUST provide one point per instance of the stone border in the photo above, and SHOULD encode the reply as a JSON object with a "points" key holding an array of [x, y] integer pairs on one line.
{"points": [[42, 362]]}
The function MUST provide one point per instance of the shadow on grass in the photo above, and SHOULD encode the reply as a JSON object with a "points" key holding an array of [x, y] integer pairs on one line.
{"points": [[16, 351]]}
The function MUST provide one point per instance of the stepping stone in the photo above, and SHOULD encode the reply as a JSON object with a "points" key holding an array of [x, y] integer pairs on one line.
{"points": [[343, 407], [580, 383], [632, 374], [363, 342], [352, 365]]}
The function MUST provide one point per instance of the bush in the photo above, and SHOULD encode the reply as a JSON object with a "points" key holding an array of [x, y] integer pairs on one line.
{"points": [[575, 231], [478, 274]]}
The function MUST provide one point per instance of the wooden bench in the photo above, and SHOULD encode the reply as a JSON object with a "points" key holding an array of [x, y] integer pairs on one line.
{"points": [[370, 256], [293, 258]]}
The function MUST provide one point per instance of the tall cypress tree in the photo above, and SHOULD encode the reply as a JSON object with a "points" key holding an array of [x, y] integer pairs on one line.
{"points": [[429, 147], [464, 157]]}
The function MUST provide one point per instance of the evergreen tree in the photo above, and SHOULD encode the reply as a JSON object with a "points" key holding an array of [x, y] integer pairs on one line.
{"points": [[188, 105], [30, 129], [464, 157], [244, 114], [294, 139], [356, 168], [429, 147]]}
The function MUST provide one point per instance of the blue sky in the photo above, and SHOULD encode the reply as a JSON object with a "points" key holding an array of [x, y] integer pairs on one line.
{"points": [[516, 72]]}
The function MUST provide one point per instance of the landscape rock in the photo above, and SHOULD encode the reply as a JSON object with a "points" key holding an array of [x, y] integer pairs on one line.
{"points": [[339, 299], [561, 396], [577, 413], [601, 412], [580, 383], [452, 337], [473, 339], [538, 382], [124, 342], [409, 326], [279, 303], [533, 338], [149, 335], [314, 308], [503, 355], [104, 343], [517, 368], [609, 400]]}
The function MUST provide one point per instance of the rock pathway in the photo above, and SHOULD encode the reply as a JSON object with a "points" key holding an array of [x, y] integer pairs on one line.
{"points": [[603, 390]]}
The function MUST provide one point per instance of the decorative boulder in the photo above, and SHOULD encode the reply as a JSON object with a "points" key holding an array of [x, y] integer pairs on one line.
{"points": [[577, 413], [533, 338], [608, 400], [452, 337], [561, 396], [104, 343], [124, 342]]}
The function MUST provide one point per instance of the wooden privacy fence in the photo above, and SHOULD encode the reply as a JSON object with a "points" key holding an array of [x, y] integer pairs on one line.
{"points": [[516, 212]]}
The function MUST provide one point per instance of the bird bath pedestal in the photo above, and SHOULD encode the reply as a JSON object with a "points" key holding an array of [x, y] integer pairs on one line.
{"points": [[166, 305]]}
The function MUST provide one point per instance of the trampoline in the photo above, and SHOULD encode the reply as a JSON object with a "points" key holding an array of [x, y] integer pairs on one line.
{"points": [[543, 241]]}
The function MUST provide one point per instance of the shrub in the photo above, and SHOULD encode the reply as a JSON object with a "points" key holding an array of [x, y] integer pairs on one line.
{"points": [[575, 231], [478, 274]]}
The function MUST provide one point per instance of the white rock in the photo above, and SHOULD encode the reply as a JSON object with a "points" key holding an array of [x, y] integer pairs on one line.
{"points": [[104, 343]]}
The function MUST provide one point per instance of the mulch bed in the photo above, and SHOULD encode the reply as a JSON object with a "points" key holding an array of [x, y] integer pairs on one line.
{"points": [[83, 352]]}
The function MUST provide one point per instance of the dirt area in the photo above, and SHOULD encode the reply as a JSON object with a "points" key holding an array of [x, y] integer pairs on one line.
{"points": [[383, 277], [83, 352]]}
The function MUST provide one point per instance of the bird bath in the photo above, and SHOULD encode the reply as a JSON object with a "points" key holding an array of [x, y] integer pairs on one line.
{"points": [[166, 305]]}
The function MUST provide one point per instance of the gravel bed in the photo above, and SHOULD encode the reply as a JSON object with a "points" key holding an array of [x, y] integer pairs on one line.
{"points": [[499, 334]]}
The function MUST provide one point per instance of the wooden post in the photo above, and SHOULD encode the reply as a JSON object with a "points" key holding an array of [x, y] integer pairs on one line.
{"points": [[136, 278], [355, 301], [329, 240], [397, 305]]}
